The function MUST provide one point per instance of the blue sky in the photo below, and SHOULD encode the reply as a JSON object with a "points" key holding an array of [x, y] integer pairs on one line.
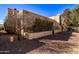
{"points": [[47, 10]]}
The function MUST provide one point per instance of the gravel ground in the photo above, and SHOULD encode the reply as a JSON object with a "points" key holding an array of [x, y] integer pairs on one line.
{"points": [[59, 44], [55, 44]]}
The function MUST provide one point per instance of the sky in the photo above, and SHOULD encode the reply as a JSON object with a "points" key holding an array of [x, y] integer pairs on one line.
{"points": [[47, 10]]}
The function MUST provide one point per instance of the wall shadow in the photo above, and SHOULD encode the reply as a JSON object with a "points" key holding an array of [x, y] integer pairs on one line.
{"points": [[63, 36], [15, 46], [9, 45]]}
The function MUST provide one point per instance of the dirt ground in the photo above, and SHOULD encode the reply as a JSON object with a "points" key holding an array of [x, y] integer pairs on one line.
{"points": [[64, 42]]}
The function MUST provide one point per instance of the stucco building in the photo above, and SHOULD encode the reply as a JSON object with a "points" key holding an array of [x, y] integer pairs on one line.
{"points": [[59, 19], [17, 21]]}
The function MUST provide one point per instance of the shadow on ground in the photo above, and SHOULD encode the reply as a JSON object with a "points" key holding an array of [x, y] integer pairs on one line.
{"points": [[10, 46], [63, 36]]}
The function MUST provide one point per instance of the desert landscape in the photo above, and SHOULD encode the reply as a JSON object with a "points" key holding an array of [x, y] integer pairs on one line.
{"points": [[26, 32]]}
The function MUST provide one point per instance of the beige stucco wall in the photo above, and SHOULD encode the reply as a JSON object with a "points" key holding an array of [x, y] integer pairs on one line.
{"points": [[56, 18], [11, 19], [38, 34]]}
